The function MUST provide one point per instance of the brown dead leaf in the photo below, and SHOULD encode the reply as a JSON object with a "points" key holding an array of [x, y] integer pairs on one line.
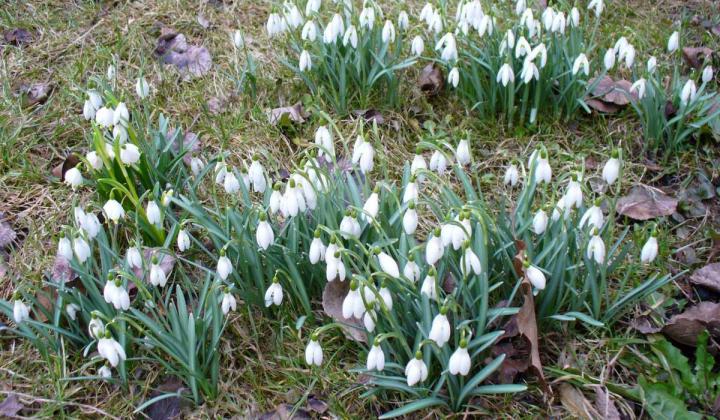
{"points": [[602, 106], [286, 412], [167, 408], [17, 36], [708, 276], [684, 328], [605, 406], [575, 403], [715, 29], [190, 60], [286, 115], [645, 203], [645, 325], [317, 405], [11, 406], [332, 300], [203, 21], [696, 56], [166, 262], [431, 79], [69, 162], [62, 272], [7, 234], [36, 93], [609, 96], [370, 115], [216, 105]]}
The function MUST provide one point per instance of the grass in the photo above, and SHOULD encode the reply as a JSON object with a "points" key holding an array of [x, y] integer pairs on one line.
{"points": [[263, 368]]}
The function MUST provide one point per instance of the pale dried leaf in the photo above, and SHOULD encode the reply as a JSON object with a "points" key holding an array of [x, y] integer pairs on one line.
{"points": [[605, 406], [696, 56], [17, 36], [684, 328], [575, 402], [645, 203], [286, 115], [332, 300], [11, 406], [431, 79]]}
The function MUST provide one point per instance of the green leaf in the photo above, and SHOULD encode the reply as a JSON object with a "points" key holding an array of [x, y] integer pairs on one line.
{"points": [[672, 359], [472, 384], [412, 407], [704, 362], [661, 404]]}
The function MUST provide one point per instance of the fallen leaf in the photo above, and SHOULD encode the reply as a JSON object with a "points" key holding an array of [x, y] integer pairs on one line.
{"points": [[216, 105], [286, 412], [696, 56], [17, 36], [190, 60], [608, 95], [166, 262], [285, 116], [69, 162], [203, 21], [575, 402], [36, 93], [11, 406], [645, 325], [332, 300], [715, 29], [645, 203], [7, 234], [190, 144], [370, 115], [62, 272], [170, 407], [605, 406], [602, 106], [431, 79], [317, 405], [684, 328]]}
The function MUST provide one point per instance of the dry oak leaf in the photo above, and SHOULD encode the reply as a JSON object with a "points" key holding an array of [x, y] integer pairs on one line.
{"points": [[332, 300], [576, 404], [190, 60], [285, 115], [708, 276], [684, 328], [431, 79], [69, 162], [645, 203], [696, 56], [17, 36]]}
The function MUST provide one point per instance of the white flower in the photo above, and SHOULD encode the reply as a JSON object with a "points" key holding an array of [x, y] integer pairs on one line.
{"points": [[129, 154], [376, 359], [275, 25], [559, 22], [64, 248], [113, 210], [410, 220], [388, 265], [292, 15], [363, 154], [429, 288], [581, 63], [673, 42], [462, 153], [237, 39], [511, 176], [411, 270], [593, 217], [611, 170], [117, 295], [367, 18], [120, 134], [71, 310], [415, 370], [349, 226], [448, 45], [560, 207], [231, 183], [454, 77], [275, 200], [309, 31], [596, 249], [228, 302], [121, 115], [317, 250], [609, 59], [350, 37], [505, 75], [689, 92], [470, 263], [96, 328], [417, 46], [81, 249], [529, 72], [403, 20], [543, 172], [142, 88], [94, 160], [539, 51], [369, 320], [264, 234], [196, 166], [434, 249], [104, 117], [335, 269], [105, 372], [651, 65], [153, 213], [459, 363], [111, 350], [353, 305], [333, 30], [438, 162], [707, 74], [411, 192], [435, 23], [313, 353], [540, 221], [536, 277], [574, 194], [157, 274], [548, 16], [224, 266], [111, 72], [426, 12], [183, 240], [649, 250], [629, 56], [371, 207], [312, 6], [73, 177], [305, 61], [575, 17], [639, 88], [597, 6], [274, 294], [440, 329], [20, 311], [323, 139]]}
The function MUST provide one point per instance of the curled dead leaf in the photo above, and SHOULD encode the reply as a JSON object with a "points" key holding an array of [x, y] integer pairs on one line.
{"points": [[69, 162], [167, 408], [575, 402], [62, 272], [431, 79], [17, 36], [332, 300], [645, 203], [190, 60], [286, 412], [203, 21], [370, 115], [36, 93], [7, 234], [696, 56], [11, 406], [605, 405], [608, 95], [685, 327], [285, 116]]}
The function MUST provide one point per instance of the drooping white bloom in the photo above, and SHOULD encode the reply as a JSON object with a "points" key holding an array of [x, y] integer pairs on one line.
{"points": [[274, 294], [651, 65], [334, 29], [110, 72], [121, 115], [117, 295], [426, 12], [73, 178], [224, 266], [313, 353], [540, 221], [129, 154], [511, 175], [417, 46], [105, 372], [403, 20], [153, 213], [435, 24], [317, 250], [575, 17], [237, 39], [505, 75], [416, 370], [231, 185], [459, 363], [388, 32], [597, 5], [157, 274], [543, 172], [707, 74], [448, 47], [183, 240], [558, 23], [369, 320], [529, 72], [94, 160], [20, 311], [312, 6], [536, 277], [305, 63], [363, 155], [71, 310], [609, 59], [462, 153], [276, 199], [350, 37], [650, 250], [353, 305], [581, 63], [639, 88], [688, 93], [96, 328], [133, 257], [411, 270], [388, 265], [434, 249], [371, 207], [349, 225], [539, 51], [264, 234], [611, 170], [64, 248], [104, 117], [81, 249], [335, 268], [560, 207], [92, 105], [275, 25], [440, 329], [593, 217], [573, 193], [596, 249], [429, 286], [470, 263], [309, 31], [454, 77], [229, 303], [367, 18], [111, 350], [142, 88], [292, 15], [324, 140], [410, 220], [673, 42], [113, 210], [438, 162], [256, 173], [376, 359]]}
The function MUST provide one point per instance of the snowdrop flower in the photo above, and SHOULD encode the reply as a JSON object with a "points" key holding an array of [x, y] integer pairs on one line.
{"points": [[470, 262], [403, 20], [429, 286], [129, 154], [81, 249], [313, 352], [96, 328], [333, 30], [335, 268], [274, 294], [309, 31], [416, 370], [363, 155], [629, 56], [548, 16], [673, 42], [92, 105], [196, 166], [511, 176], [448, 47], [651, 65], [535, 275], [142, 88], [522, 48], [113, 210], [649, 250], [574, 17], [305, 61], [104, 117], [275, 25], [157, 274], [462, 153], [520, 7], [369, 318], [707, 74], [20, 311], [417, 46], [426, 12], [574, 194], [116, 294], [434, 248], [323, 139], [529, 71], [317, 249], [560, 207], [639, 88], [71, 310], [411, 269], [440, 329], [581, 63], [90, 224], [312, 6], [435, 24], [454, 77], [593, 217], [596, 248], [229, 303], [376, 358], [688, 93], [539, 51], [349, 225], [183, 240], [543, 172], [257, 175], [540, 221], [505, 75], [609, 59], [611, 170], [275, 199], [410, 219], [350, 37], [73, 178], [559, 22], [121, 116], [110, 350], [371, 206], [438, 162], [105, 372], [230, 182], [597, 5], [367, 18], [292, 15], [237, 39], [133, 257], [418, 163], [111, 72], [264, 234], [153, 213], [459, 363], [353, 305], [64, 248], [94, 160], [224, 266], [387, 264]]}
